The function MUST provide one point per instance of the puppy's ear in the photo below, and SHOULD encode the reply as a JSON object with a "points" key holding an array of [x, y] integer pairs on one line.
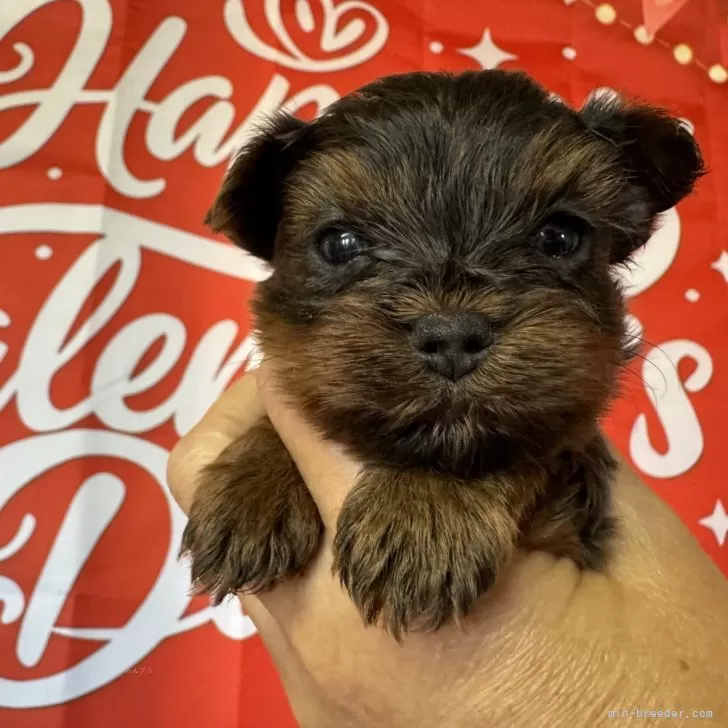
{"points": [[249, 206], [658, 151]]}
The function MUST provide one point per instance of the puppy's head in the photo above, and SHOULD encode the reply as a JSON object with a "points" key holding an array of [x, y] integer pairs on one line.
{"points": [[442, 247]]}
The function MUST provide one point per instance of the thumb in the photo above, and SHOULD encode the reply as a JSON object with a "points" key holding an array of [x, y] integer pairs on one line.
{"points": [[654, 550], [326, 469]]}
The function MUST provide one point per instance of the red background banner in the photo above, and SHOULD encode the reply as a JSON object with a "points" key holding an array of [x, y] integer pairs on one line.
{"points": [[121, 318]]}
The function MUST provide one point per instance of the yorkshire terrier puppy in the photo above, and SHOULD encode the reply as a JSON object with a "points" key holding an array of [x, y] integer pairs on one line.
{"points": [[443, 305]]}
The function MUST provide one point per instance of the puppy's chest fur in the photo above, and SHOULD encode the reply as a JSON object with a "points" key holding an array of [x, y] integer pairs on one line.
{"points": [[442, 304]]}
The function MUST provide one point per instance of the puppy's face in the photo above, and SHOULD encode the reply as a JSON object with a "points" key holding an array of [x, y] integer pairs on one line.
{"points": [[442, 246]]}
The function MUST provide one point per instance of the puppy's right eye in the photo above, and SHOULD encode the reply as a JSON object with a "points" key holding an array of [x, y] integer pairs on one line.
{"points": [[561, 236], [340, 247]]}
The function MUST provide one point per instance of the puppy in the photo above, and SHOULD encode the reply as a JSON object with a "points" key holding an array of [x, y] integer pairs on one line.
{"points": [[443, 305]]}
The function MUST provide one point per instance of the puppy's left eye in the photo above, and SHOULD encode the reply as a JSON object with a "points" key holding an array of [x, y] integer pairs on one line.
{"points": [[561, 237], [340, 247]]}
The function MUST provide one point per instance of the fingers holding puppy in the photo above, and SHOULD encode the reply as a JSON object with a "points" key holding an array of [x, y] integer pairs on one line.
{"points": [[233, 414], [243, 479], [253, 522], [327, 472]]}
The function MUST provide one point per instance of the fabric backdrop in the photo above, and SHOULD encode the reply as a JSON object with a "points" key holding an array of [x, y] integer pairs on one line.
{"points": [[121, 318]]}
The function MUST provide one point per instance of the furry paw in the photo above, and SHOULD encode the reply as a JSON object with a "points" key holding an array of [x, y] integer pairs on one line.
{"points": [[416, 552], [253, 521]]}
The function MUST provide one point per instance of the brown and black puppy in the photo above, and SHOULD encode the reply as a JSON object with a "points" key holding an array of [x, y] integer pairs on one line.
{"points": [[443, 305]]}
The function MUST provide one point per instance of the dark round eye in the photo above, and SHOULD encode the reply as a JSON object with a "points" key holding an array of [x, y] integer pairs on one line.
{"points": [[560, 238], [340, 247]]}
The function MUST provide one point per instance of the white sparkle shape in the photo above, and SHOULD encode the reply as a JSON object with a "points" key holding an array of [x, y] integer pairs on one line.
{"points": [[569, 2], [55, 173], [569, 53], [721, 265], [4, 319], [692, 295], [43, 252], [487, 53], [717, 522], [436, 46]]}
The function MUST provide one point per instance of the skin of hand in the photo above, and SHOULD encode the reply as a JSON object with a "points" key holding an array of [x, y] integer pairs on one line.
{"points": [[547, 646]]}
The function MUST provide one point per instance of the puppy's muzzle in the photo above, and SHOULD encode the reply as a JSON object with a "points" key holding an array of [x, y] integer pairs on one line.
{"points": [[452, 345]]}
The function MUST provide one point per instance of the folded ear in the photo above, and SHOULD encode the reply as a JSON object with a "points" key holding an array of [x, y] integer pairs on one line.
{"points": [[249, 206], [660, 157], [658, 151]]}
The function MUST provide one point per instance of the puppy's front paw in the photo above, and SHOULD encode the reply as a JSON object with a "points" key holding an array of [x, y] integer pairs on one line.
{"points": [[253, 521], [416, 552]]}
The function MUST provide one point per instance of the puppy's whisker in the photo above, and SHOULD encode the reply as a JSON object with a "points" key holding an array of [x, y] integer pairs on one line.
{"points": [[639, 379], [654, 365]]}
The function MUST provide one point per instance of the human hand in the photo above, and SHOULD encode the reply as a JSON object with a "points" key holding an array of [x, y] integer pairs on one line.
{"points": [[547, 646]]}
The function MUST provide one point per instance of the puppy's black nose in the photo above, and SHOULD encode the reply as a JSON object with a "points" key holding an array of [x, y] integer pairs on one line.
{"points": [[452, 345]]}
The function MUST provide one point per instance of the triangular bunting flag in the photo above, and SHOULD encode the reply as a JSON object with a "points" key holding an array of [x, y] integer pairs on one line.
{"points": [[657, 12]]}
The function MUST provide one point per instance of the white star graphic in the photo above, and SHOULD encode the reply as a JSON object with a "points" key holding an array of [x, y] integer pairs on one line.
{"points": [[717, 522], [487, 53], [721, 265]]}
